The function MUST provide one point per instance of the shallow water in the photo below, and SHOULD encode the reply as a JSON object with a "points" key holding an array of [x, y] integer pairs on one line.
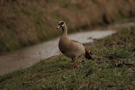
{"points": [[30, 55]]}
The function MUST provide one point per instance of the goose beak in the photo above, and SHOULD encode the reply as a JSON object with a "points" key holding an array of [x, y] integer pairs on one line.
{"points": [[58, 27]]}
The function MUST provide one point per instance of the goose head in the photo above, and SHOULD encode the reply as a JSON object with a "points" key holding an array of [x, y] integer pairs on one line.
{"points": [[62, 26]]}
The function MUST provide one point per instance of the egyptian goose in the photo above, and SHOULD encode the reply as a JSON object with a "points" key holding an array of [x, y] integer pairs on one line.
{"points": [[71, 48]]}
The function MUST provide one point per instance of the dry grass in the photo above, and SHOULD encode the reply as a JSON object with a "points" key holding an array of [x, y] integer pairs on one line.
{"points": [[24, 23]]}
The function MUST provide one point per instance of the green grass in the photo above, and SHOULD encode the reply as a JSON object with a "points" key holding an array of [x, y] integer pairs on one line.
{"points": [[113, 68]]}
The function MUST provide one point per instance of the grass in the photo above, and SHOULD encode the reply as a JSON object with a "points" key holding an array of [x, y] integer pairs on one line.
{"points": [[24, 23], [113, 68]]}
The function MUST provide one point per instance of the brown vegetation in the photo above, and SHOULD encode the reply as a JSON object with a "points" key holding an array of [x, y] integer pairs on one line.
{"points": [[24, 22]]}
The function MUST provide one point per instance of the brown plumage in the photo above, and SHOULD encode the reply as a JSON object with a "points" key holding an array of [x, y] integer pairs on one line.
{"points": [[70, 48]]}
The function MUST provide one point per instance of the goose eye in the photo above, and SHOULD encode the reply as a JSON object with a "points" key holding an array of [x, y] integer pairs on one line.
{"points": [[61, 23]]}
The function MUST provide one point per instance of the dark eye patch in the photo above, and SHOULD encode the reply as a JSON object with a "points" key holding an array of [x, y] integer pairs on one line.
{"points": [[61, 23]]}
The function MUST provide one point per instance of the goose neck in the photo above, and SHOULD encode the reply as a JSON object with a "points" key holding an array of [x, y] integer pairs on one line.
{"points": [[64, 30]]}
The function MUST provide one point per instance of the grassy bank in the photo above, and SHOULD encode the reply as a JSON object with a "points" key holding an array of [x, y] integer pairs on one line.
{"points": [[113, 68], [24, 22]]}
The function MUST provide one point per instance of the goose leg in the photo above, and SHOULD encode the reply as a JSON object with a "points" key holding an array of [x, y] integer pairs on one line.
{"points": [[74, 65]]}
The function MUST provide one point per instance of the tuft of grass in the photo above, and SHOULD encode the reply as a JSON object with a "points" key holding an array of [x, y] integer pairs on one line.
{"points": [[118, 54]]}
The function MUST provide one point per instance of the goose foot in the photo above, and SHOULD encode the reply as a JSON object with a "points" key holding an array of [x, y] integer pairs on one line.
{"points": [[74, 65]]}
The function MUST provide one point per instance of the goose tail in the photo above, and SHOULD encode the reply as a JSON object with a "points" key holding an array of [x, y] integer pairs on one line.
{"points": [[88, 54]]}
